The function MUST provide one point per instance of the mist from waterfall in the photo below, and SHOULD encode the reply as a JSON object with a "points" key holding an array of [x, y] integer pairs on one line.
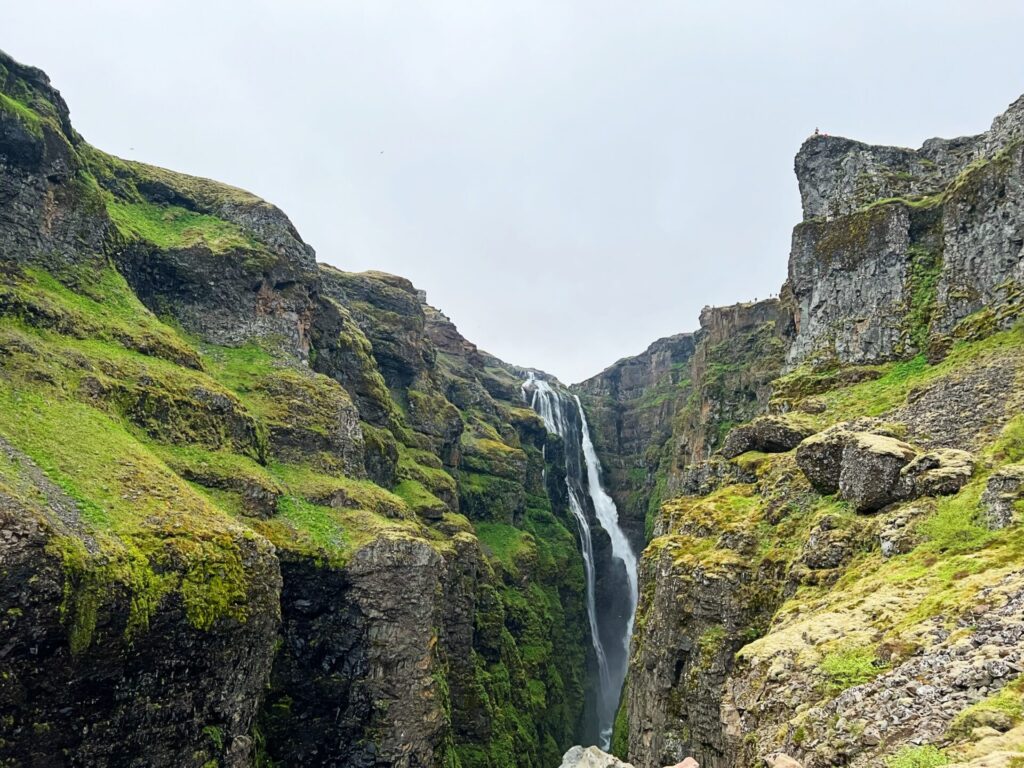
{"points": [[563, 415]]}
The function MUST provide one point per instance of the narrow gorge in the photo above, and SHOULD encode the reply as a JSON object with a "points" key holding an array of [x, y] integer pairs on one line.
{"points": [[259, 511], [611, 569]]}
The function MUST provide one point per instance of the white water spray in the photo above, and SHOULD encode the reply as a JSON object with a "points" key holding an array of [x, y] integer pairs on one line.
{"points": [[550, 405]]}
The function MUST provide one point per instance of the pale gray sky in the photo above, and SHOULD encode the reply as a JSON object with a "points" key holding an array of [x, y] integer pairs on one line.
{"points": [[567, 180]]}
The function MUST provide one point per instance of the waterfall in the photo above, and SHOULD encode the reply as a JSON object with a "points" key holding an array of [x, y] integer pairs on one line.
{"points": [[563, 415]]}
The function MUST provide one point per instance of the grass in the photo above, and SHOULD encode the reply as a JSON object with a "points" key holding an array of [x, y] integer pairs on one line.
{"points": [[92, 302], [925, 267], [926, 756], [319, 523], [28, 117], [850, 666], [155, 533], [506, 543], [896, 380], [173, 227]]}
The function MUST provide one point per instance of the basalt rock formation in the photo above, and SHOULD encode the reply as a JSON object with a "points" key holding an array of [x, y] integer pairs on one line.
{"points": [[256, 510]]}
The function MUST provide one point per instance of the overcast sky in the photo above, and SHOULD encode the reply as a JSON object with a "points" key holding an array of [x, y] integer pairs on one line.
{"points": [[567, 180]]}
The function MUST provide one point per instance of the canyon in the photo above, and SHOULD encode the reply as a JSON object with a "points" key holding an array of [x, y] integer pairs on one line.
{"points": [[256, 510]]}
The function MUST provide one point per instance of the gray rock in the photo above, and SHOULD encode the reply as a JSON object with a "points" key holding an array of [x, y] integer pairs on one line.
{"points": [[770, 434], [820, 458], [863, 467], [1005, 488], [941, 472], [591, 757]]}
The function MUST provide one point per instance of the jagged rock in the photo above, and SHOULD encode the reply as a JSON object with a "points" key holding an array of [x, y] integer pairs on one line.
{"points": [[829, 545], [1003, 492], [769, 434], [591, 757], [965, 409], [782, 761], [941, 472]]}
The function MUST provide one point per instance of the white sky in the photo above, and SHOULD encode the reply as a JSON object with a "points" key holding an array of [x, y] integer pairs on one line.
{"points": [[568, 180]]}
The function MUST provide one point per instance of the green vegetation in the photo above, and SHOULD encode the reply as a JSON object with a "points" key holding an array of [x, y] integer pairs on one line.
{"points": [[850, 666], [891, 382], [1002, 710], [176, 227], [28, 117], [926, 756], [925, 267]]}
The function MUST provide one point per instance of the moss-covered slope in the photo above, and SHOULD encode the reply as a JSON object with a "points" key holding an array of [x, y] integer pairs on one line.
{"points": [[224, 472]]}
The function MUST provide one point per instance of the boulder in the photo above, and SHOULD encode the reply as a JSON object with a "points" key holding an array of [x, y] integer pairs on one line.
{"points": [[820, 458], [1004, 489], [770, 434], [783, 761], [941, 472], [870, 470], [591, 757]]}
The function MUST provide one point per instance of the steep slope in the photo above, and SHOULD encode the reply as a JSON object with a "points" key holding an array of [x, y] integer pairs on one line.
{"points": [[255, 510], [840, 581]]}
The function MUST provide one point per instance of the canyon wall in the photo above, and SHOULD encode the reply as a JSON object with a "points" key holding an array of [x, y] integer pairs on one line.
{"points": [[834, 573], [256, 510]]}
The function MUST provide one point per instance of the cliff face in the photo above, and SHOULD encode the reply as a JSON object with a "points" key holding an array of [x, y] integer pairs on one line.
{"points": [[255, 509], [629, 407], [838, 580], [905, 251]]}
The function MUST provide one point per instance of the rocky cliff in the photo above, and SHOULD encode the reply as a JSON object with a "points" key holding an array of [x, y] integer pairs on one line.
{"points": [[256, 510], [835, 569]]}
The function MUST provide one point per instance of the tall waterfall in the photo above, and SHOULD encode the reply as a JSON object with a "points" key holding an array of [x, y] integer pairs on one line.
{"points": [[611, 581]]}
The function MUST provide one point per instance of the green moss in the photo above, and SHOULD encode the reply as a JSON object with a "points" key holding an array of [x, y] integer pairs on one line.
{"points": [[319, 524], [28, 117], [339, 491], [155, 534], [215, 735], [507, 544], [1009, 446], [1004, 710], [896, 380], [925, 267], [419, 499], [850, 666], [956, 526], [91, 302], [620, 732], [926, 756], [168, 226]]}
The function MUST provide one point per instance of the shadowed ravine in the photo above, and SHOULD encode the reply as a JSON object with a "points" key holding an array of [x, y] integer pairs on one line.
{"points": [[611, 571]]}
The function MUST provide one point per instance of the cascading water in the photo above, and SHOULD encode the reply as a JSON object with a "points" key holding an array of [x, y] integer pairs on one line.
{"points": [[563, 415]]}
